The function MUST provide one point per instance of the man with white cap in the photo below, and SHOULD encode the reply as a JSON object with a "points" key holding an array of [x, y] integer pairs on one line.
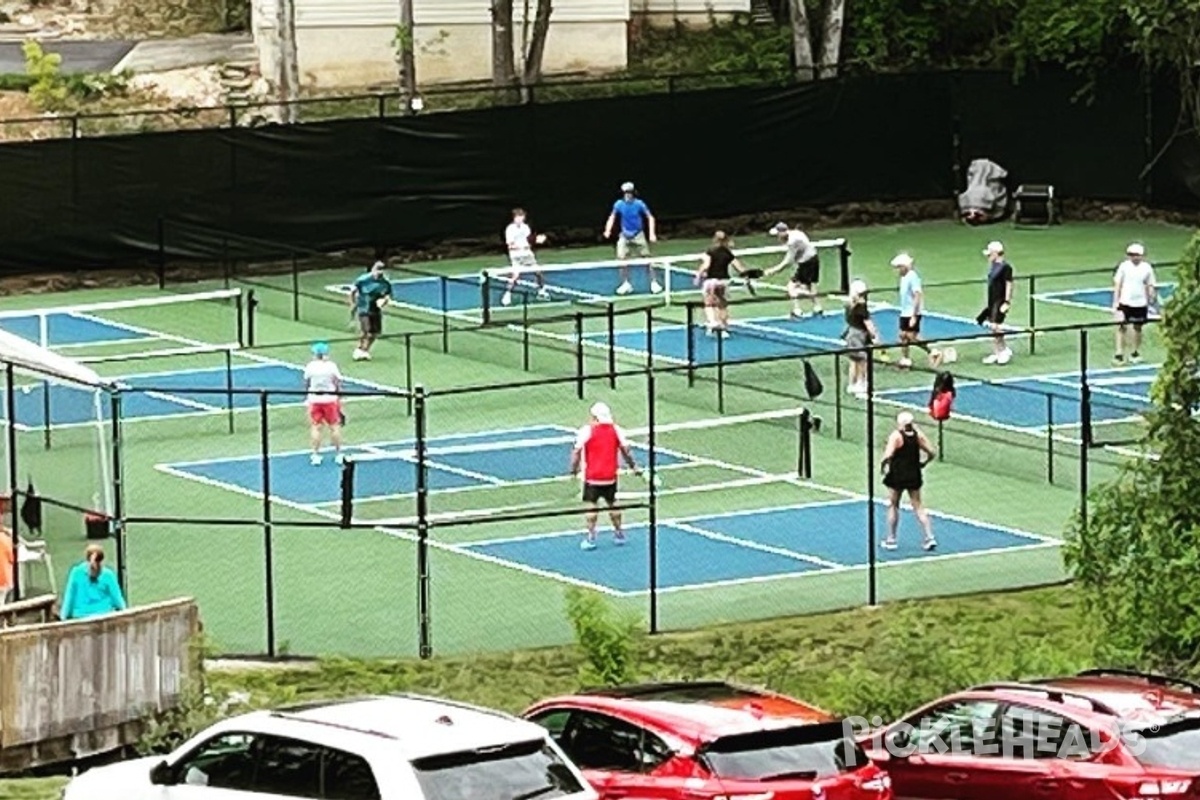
{"points": [[637, 224], [802, 256], [912, 304], [999, 302], [371, 292], [1134, 291], [599, 447], [901, 466], [323, 381]]}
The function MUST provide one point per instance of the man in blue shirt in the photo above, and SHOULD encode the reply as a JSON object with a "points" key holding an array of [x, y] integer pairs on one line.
{"points": [[912, 304], [370, 293], [635, 218]]}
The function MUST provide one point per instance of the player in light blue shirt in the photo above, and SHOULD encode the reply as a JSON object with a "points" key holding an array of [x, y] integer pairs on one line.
{"points": [[912, 306], [370, 293], [637, 223]]}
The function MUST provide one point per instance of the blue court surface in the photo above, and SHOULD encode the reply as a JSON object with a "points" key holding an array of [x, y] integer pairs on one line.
{"points": [[463, 294], [166, 394], [67, 329], [388, 470], [773, 336], [1036, 403], [746, 547], [1097, 299]]}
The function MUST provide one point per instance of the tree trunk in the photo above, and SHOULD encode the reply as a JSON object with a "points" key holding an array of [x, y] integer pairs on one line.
{"points": [[802, 52], [504, 69], [287, 80], [406, 57], [831, 39], [537, 42]]}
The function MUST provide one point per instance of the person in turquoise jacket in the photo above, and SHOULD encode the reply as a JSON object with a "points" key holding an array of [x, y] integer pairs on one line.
{"points": [[92, 588]]}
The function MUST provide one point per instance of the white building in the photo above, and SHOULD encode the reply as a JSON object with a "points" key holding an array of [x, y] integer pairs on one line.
{"points": [[350, 43]]}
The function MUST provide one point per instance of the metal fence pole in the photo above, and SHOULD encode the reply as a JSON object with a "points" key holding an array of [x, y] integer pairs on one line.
{"points": [[1032, 315], [837, 395], [652, 466], [161, 266], [872, 569], [612, 347], [295, 287], [424, 635], [580, 368], [691, 344], [229, 408], [1050, 437], [1085, 416], [268, 532], [408, 373], [10, 402], [117, 519]]}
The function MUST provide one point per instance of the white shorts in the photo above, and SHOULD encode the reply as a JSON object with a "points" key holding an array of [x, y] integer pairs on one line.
{"points": [[635, 243], [522, 261]]}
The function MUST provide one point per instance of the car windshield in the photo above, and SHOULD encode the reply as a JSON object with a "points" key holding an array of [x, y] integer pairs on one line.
{"points": [[522, 771], [1175, 745], [797, 753]]}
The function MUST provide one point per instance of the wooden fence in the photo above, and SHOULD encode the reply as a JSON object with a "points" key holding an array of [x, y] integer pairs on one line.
{"points": [[70, 690]]}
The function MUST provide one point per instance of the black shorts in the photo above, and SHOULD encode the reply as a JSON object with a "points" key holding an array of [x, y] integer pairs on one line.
{"points": [[808, 273], [371, 323], [595, 492], [904, 483], [910, 324], [992, 314], [1134, 315]]}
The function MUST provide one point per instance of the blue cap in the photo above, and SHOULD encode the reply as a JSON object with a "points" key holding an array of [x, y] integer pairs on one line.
{"points": [[320, 349]]}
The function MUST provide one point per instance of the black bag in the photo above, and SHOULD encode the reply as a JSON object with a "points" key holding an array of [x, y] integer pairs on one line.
{"points": [[812, 382]]}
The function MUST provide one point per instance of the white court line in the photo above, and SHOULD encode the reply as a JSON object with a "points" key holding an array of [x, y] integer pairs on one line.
{"points": [[431, 464], [752, 545], [168, 398], [97, 343], [1060, 298]]}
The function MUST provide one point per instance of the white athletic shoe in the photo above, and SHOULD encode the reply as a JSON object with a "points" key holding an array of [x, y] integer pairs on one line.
{"points": [[625, 288], [817, 311], [888, 544], [929, 544], [1004, 357], [723, 333], [506, 299], [905, 363], [315, 459], [544, 293], [860, 391], [655, 287], [992, 358]]}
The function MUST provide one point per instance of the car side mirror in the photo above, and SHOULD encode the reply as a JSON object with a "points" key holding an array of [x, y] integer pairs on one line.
{"points": [[160, 775]]}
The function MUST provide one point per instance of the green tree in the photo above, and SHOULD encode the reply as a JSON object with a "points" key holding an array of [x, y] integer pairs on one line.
{"points": [[1138, 560]]}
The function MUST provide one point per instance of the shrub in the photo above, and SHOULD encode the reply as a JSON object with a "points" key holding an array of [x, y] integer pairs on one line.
{"points": [[608, 638]]}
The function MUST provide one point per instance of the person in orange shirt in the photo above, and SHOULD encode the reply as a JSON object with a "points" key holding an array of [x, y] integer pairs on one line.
{"points": [[8, 561], [599, 448]]}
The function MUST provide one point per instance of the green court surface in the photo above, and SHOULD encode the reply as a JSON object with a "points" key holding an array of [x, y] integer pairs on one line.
{"points": [[739, 535]]}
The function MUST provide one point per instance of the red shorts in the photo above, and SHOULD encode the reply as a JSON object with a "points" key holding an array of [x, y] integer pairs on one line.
{"points": [[325, 413]]}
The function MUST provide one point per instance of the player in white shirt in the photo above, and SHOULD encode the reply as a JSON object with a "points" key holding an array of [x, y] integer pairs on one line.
{"points": [[1134, 291], [323, 382], [805, 261], [520, 255]]}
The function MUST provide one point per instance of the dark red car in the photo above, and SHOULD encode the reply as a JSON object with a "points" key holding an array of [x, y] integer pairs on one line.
{"points": [[709, 741], [1099, 735]]}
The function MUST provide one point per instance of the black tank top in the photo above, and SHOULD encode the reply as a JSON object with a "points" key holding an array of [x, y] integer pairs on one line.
{"points": [[719, 260], [906, 461]]}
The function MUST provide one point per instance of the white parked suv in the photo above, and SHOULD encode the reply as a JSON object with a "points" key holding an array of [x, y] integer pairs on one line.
{"points": [[397, 747]]}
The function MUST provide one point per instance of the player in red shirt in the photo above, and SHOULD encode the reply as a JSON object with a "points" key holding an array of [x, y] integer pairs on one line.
{"points": [[599, 448]]}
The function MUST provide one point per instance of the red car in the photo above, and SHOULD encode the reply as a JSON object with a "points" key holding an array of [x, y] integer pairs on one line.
{"points": [[709, 741], [1099, 735]]}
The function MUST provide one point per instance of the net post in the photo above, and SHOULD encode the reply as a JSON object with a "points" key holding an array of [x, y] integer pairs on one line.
{"points": [[408, 373], [1032, 315], [941, 445], [526, 357], [691, 342], [837, 395], [295, 287], [161, 267], [268, 532], [485, 296], [872, 566], [116, 514], [844, 265], [347, 487], [240, 308], [579, 365], [802, 428], [47, 421], [1050, 437], [424, 646], [251, 309], [612, 343], [445, 301], [1085, 393], [652, 466], [649, 338], [720, 375], [10, 402], [229, 388]]}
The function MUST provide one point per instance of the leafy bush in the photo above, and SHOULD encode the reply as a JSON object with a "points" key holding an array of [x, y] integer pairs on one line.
{"points": [[608, 638], [52, 91], [734, 45]]}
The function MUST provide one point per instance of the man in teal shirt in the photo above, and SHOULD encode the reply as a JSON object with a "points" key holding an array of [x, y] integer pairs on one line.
{"points": [[370, 293]]}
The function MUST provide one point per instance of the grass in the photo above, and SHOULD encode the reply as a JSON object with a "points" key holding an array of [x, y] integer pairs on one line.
{"points": [[856, 662], [353, 594]]}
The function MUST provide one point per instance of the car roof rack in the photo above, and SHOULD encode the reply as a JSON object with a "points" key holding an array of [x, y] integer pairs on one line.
{"points": [[1052, 693], [1154, 679]]}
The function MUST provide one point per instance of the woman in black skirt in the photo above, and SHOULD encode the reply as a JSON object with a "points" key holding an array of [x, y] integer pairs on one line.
{"points": [[902, 465]]}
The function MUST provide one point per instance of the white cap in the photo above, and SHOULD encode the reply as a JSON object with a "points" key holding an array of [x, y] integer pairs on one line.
{"points": [[378, 265], [627, 186], [858, 288], [904, 419], [602, 413], [902, 260], [1135, 249], [993, 248], [778, 228]]}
